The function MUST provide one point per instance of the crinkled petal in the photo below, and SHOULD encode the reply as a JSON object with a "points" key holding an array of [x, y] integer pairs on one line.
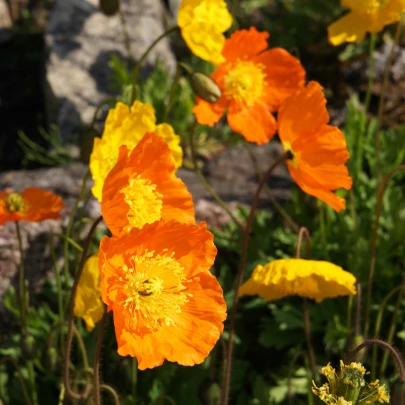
{"points": [[307, 278], [350, 28], [256, 123], [209, 113], [88, 304], [202, 23], [284, 76]]}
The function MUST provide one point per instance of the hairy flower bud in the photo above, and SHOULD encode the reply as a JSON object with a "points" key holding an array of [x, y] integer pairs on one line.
{"points": [[50, 359], [28, 347], [205, 87]]}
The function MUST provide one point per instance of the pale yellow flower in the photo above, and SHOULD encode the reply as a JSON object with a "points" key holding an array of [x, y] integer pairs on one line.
{"points": [[364, 16], [202, 24], [127, 126], [88, 303], [307, 278]]}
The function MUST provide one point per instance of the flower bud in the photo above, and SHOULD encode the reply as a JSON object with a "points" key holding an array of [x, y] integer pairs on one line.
{"points": [[351, 383], [50, 359], [28, 347], [109, 7], [205, 87], [210, 393]]}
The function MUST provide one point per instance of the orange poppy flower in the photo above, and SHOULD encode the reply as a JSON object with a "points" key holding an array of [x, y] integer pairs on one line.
{"points": [[33, 205], [142, 188], [254, 82], [319, 150], [166, 303]]}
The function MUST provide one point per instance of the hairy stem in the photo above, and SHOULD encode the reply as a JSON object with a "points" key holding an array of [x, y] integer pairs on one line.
{"points": [[374, 239], [172, 92], [66, 370], [240, 275], [97, 357]]}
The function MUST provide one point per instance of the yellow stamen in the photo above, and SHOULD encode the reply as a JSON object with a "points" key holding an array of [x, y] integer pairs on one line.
{"points": [[144, 202], [14, 202], [244, 83], [154, 291]]}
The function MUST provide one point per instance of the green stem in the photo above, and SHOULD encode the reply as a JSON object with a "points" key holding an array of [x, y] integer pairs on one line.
{"points": [[134, 378], [393, 326], [98, 108], [234, 12], [240, 275], [144, 56], [373, 38], [97, 358], [22, 293], [307, 329], [374, 239], [59, 286], [31, 378], [69, 227], [20, 377], [172, 92], [112, 392], [323, 230], [204, 182], [382, 96], [294, 226], [66, 370], [69, 240]]}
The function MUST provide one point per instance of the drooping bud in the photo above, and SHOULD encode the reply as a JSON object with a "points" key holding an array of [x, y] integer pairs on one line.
{"points": [[50, 359], [205, 87], [28, 347], [109, 7]]}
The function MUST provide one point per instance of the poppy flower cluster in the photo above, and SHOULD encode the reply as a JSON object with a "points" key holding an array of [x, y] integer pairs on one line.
{"points": [[154, 272]]}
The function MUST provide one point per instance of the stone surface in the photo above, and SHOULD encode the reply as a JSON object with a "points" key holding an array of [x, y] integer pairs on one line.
{"points": [[80, 41]]}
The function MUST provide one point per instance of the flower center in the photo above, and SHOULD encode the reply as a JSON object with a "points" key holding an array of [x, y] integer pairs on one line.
{"points": [[154, 291], [144, 202], [294, 160], [244, 83], [369, 6], [14, 202]]}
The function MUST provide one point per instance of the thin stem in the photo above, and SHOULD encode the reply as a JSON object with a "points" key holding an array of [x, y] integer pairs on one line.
{"points": [[307, 329], [234, 12], [374, 239], [393, 326], [294, 226], [349, 314], [357, 321], [144, 56], [240, 275], [31, 378], [127, 39], [134, 378], [20, 377], [204, 182], [303, 231], [322, 226], [69, 240], [70, 224], [59, 286], [78, 337], [382, 96], [97, 357], [98, 108], [373, 38], [112, 392], [172, 92], [395, 355], [66, 370], [22, 293]]}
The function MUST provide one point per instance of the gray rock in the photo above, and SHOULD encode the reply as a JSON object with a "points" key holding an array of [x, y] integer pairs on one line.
{"points": [[80, 40]]}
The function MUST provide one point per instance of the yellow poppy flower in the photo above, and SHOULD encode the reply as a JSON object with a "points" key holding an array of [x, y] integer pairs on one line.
{"points": [[364, 16], [88, 303], [307, 278], [127, 126], [202, 23]]}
